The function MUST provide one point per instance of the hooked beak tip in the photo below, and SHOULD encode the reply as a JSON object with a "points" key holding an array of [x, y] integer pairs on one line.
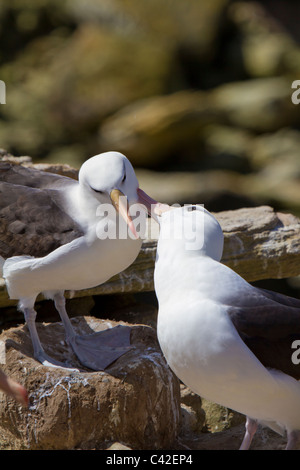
{"points": [[154, 208]]}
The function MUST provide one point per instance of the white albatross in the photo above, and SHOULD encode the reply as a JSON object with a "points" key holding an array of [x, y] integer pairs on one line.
{"points": [[50, 241], [229, 341]]}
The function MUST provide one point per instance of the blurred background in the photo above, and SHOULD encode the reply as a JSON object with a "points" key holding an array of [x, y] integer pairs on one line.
{"points": [[197, 94]]}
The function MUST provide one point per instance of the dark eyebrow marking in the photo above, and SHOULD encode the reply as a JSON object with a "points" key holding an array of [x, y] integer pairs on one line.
{"points": [[97, 191]]}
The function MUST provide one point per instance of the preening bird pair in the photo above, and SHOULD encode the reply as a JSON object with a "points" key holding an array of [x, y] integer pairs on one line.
{"points": [[227, 340]]}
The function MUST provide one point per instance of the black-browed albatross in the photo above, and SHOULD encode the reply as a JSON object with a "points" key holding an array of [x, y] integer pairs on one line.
{"points": [[50, 241], [230, 342]]}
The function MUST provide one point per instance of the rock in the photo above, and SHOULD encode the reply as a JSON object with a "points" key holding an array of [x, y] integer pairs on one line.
{"points": [[226, 148], [201, 416], [152, 130], [273, 156], [131, 308], [275, 184], [277, 153], [218, 418], [265, 168], [270, 156], [289, 20], [260, 105], [57, 168], [189, 421], [135, 401], [94, 55], [94, 77], [276, 159], [190, 187], [188, 124], [208, 426], [7, 157], [103, 57], [259, 244], [231, 439], [266, 48], [118, 446], [195, 27], [265, 243], [100, 85], [192, 414]]}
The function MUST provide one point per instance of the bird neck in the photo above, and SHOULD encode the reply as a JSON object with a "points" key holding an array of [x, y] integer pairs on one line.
{"points": [[83, 206]]}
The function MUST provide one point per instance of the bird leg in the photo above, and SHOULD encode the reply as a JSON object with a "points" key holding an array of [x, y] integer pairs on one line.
{"points": [[251, 427], [60, 305], [96, 350], [38, 350], [293, 440]]}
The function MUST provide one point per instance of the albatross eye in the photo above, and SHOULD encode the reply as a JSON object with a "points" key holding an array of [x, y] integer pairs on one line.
{"points": [[192, 208], [97, 191]]}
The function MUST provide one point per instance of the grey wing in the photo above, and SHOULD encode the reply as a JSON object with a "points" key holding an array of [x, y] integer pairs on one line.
{"points": [[31, 177], [269, 323], [31, 221], [280, 298]]}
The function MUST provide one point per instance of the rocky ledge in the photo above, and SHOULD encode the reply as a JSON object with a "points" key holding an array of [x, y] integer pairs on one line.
{"points": [[137, 403], [136, 400], [259, 244]]}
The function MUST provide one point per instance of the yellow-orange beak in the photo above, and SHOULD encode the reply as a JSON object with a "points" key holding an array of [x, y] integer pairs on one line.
{"points": [[120, 203]]}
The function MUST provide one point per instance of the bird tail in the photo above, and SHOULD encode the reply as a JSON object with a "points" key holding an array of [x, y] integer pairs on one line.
{"points": [[13, 269], [14, 264]]}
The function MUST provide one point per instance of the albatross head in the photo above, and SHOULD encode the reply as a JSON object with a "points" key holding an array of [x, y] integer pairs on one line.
{"points": [[190, 230], [109, 176]]}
